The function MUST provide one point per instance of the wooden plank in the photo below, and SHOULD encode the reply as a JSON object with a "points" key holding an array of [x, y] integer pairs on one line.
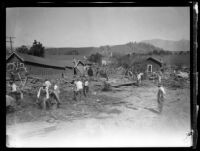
{"points": [[123, 84]]}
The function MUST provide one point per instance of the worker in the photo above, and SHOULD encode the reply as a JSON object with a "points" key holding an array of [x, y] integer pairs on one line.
{"points": [[47, 83], [139, 78], [12, 76], [56, 91], [15, 92], [78, 88], [160, 97], [97, 71], [159, 78], [43, 95], [90, 71], [85, 86]]}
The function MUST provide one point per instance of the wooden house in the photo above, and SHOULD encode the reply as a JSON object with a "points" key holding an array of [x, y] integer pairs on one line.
{"points": [[153, 65], [34, 65]]}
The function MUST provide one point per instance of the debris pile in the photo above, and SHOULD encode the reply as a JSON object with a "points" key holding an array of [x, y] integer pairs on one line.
{"points": [[176, 80]]}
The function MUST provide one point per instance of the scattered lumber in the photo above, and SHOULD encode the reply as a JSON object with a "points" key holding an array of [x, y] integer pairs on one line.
{"points": [[123, 84]]}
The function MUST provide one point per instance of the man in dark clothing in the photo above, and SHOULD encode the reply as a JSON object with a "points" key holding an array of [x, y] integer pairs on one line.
{"points": [[90, 72], [12, 76]]}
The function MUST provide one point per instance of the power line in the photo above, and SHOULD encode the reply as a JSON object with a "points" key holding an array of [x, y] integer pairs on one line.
{"points": [[10, 41]]}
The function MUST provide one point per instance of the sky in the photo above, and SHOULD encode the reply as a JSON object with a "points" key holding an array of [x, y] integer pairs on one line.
{"points": [[95, 26]]}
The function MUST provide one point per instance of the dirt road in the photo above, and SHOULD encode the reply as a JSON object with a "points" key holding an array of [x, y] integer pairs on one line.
{"points": [[132, 122]]}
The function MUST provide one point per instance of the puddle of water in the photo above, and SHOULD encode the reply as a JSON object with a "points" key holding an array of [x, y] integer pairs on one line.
{"points": [[134, 108], [114, 111], [103, 117]]}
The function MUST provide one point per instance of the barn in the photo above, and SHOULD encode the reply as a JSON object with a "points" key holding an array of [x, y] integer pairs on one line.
{"points": [[81, 66], [153, 65], [38, 66]]}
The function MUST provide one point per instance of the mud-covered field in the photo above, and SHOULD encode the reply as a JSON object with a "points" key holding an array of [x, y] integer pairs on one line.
{"points": [[123, 116]]}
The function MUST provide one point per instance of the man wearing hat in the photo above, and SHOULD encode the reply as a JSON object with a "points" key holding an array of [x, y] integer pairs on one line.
{"points": [[43, 94], [56, 91], [85, 86], [47, 83], [78, 88], [160, 97], [15, 91]]}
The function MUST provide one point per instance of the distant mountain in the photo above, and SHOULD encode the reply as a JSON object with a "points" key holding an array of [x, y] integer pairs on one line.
{"points": [[181, 45], [128, 48]]}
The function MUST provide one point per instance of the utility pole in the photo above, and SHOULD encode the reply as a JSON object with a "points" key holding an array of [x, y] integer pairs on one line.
{"points": [[10, 41]]}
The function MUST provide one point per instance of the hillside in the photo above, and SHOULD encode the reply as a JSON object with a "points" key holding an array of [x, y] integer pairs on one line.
{"points": [[69, 51], [134, 48], [145, 46], [181, 45], [104, 50]]}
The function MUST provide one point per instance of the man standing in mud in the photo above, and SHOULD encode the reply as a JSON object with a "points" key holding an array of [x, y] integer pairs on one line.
{"points": [[85, 86], [160, 97], [78, 88], [159, 77], [56, 91], [97, 71], [139, 78], [15, 92], [47, 83], [12, 76], [43, 93]]}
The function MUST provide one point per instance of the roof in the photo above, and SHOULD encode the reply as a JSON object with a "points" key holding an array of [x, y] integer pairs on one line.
{"points": [[86, 62], [42, 61], [155, 60]]}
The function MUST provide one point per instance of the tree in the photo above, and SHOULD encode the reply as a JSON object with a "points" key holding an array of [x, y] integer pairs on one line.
{"points": [[155, 52], [37, 49], [97, 58], [23, 49]]}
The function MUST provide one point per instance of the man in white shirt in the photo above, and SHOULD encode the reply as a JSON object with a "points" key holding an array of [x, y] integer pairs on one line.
{"points": [[160, 97], [78, 88], [47, 83], [15, 92], [13, 87], [139, 77]]}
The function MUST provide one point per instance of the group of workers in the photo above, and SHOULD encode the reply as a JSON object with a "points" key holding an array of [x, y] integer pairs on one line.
{"points": [[48, 90], [80, 86]]}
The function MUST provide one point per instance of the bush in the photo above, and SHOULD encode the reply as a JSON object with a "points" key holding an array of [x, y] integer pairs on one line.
{"points": [[23, 49], [97, 58]]}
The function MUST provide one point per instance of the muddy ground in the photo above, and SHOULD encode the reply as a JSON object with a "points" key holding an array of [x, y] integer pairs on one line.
{"points": [[125, 116]]}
